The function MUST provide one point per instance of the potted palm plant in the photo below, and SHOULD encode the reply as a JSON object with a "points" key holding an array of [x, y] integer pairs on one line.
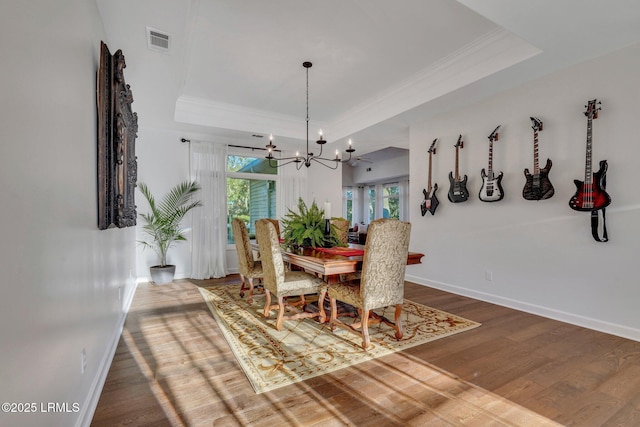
{"points": [[163, 224]]}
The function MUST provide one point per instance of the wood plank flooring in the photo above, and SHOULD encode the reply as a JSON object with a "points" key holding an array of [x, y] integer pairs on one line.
{"points": [[173, 367]]}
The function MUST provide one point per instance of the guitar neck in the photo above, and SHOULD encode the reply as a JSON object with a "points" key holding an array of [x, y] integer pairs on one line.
{"points": [[536, 164], [490, 165], [588, 175], [457, 171], [429, 182]]}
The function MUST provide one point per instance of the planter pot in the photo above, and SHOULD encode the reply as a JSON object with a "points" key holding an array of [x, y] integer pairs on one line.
{"points": [[162, 275]]}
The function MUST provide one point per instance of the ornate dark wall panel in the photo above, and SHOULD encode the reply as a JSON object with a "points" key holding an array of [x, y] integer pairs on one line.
{"points": [[117, 131]]}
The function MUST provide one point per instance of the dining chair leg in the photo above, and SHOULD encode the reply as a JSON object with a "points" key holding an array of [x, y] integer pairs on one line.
{"points": [[250, 297], [365, 329], [267, 303], [280, 319], [398, 320], [321, 297], [334, 314], [242, 285]]}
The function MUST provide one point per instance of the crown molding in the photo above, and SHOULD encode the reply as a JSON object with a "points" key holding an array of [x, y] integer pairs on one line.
{"points": [[493, 52], [198, 111]]}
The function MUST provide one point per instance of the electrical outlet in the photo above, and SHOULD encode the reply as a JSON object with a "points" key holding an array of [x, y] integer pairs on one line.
{"points": [[83, 361], [119, 293], [488, 275]]}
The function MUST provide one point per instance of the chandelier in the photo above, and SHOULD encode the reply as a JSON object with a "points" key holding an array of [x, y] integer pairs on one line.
{"points": [[331, 163]]}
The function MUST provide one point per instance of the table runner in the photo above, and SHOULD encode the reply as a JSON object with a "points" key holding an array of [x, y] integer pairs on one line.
{"points": [[342, 251]]}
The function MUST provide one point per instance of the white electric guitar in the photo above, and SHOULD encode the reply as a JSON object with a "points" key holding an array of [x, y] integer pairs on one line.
{"points": [[491, 190]]}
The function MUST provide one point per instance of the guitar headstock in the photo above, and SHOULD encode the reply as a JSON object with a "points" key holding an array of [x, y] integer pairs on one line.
{"points": [[460, 143], [536, 124], [494, 135], [592, 109], [432, 149]]}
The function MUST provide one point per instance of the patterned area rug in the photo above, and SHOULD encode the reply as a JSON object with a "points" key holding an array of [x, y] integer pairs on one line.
{"points": [[305, 348]]}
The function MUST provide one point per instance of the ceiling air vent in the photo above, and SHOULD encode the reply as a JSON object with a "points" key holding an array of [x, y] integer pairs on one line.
{"points": [[157, 40]]}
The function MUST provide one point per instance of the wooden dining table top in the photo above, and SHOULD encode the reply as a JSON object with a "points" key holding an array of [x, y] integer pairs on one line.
{"points": [[329, 264]]}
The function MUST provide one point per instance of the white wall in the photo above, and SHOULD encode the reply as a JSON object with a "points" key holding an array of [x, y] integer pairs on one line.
{"points": [[163, 162], [385, 170], [65, 284], [325, 185], [541, 254]]}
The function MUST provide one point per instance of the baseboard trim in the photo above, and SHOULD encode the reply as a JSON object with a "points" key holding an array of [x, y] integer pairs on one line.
{"points": [[91, 403], [562, 316], [145, 279]]}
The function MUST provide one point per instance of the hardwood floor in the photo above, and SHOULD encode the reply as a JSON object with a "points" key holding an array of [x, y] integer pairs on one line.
{"points": [[173, 367]]}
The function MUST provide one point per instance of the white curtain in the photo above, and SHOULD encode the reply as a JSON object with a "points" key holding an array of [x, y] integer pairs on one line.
{"points": [[357, 204], [209, 243], [292, 184], [405, 212]]}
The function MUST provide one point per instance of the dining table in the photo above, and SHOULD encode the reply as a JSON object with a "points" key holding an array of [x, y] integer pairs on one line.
{"points": [[330, 263]]}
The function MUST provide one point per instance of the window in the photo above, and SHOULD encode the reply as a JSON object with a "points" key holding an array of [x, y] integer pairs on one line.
{"points": [[251, 191], [347, 203], [391, 201], [371, 193], [373, 201]]}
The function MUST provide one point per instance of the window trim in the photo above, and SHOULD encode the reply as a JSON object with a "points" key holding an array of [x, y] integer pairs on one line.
{"points": [[361, 198], [239, 152], [391, 196]]}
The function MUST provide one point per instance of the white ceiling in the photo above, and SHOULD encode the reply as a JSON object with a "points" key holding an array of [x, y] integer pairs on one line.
{"points": [[235, 66]]}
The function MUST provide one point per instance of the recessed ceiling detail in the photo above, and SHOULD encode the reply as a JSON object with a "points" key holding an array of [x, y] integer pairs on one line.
{"points": [[481, 57], [231, 71]]}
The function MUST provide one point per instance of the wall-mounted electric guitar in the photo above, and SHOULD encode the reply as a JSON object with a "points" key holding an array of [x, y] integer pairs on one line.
{"points": [[537, 185], [430, 203], [458, 187], [590, 194], [491, 190]]}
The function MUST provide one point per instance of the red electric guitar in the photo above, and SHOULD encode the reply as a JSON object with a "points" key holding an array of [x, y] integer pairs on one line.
{"points": [[590, 194]]}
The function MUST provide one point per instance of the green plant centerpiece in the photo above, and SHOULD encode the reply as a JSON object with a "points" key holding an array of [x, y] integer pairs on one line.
{"points": [[163, 224], [306, 227]]}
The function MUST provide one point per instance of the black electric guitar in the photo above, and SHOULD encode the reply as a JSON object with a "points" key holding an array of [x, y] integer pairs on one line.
{"points": [[590, 195], [537, 185], [458, 187], [430, 203], [491, 190]]}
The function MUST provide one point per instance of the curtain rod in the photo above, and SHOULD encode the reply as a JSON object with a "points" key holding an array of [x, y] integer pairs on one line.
{"points": [[183, 140]]}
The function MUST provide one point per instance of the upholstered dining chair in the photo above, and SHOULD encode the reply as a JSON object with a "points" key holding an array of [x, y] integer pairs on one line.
{"points": [[275, 223], [382, 281], [248, 267], [283, 284], [342, 228]]}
